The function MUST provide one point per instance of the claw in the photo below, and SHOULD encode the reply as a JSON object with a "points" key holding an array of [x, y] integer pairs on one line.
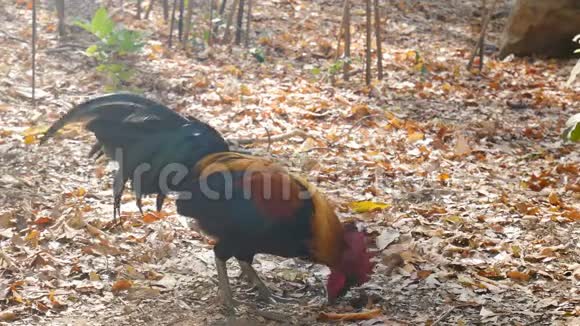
{"points": [[264, 292]]}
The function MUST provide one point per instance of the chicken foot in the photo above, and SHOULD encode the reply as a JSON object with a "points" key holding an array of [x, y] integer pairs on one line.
{"points": [[224, 285], [263, 291]]}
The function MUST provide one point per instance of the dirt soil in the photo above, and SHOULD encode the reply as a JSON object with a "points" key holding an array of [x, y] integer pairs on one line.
{"points": [[468, 195]]}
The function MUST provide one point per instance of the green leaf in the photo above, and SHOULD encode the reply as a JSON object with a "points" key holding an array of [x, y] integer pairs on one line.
{"points": [[101, 68], [315, 71], [102, 25], [92, 50], [128, 41], [572, 131], [84, 25]]}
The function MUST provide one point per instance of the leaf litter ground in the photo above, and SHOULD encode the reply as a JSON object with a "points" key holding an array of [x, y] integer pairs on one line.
{"points": [[461, 181]]}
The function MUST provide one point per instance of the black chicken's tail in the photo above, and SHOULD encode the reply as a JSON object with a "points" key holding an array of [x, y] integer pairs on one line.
{"points": [[145, 138]]}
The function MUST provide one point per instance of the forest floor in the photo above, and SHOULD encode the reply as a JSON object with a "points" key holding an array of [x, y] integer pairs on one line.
{"points": [[469, 196]]}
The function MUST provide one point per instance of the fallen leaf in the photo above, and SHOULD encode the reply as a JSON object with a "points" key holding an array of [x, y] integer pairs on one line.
{"points": [[93, 276], [554, 199], [29, 140], [7, 315], [462, 146], [151, 217], [32, 237], [43, 221], [518, 276], [141, 293], [415, 136], [121, 285], [363, 315], [443, 177], [388, 236], [367, 206]]}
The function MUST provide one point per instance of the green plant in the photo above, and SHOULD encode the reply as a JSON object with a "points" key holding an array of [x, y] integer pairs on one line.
{"points": [[576, 70], [114, 44], [331, 69], [572, 131], [258, 54]]}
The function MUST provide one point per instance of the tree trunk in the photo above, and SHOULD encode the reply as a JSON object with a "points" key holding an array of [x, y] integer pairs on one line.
{"points": [[172, 24], [180, 21], [239, 22], [138, 14], [226, 38], [346, 66], [188, 18], [148, 12], [248, 20], [165, 9], [61, 17], [368, 43]]}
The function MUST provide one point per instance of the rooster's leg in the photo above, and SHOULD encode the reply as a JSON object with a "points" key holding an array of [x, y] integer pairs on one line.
{"points": [[263, 291], [139, 204], [224, 284], [159, 202]]}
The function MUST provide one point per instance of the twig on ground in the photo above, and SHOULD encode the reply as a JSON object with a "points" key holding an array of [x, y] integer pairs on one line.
{"points": [[245, 141], [9, 260], [357, 123], [14, 38], [443, 316], [446, 313]]}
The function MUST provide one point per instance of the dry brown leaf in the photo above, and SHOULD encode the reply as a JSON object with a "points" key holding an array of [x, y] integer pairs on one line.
{"points": [[121, 285], [554, 199], [462, 146], [518, 276], [363, 315], [415, 136], [7, 316]]}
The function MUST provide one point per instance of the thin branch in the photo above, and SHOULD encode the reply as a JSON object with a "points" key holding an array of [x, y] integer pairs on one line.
{"points": [[239, 22], [14, 38], [294, 133], [222, 7], [172, 24], [34, 53], [188, 18], [180, 21], [379, 40], [210, 29], [346, 65], [139, 8], [248, 20], [148, 12], [368, 42], [165, 9], [481, 42], [59, 4], [230, 21], [340, 30]]}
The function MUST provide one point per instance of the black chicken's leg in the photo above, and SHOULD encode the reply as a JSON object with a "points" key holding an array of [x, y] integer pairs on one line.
{"points": [[224, 285], [139, 205], [159, 201], [263, 291]]}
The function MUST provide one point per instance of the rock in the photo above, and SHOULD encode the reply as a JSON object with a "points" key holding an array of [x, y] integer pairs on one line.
{"points": [[541, 27]]}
